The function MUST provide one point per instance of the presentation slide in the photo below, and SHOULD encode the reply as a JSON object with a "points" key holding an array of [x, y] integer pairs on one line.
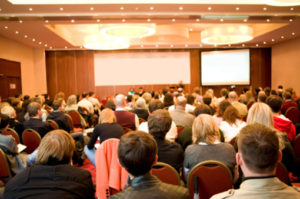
{"points": [[141, 68], [225, 67]]}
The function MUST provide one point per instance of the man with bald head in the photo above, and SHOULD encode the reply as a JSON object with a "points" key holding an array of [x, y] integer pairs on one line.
{"points": [[242, 108], [124, 117], [179, 116]]}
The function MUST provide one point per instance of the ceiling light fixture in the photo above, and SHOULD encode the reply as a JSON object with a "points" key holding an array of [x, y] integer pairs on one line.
{"points": [[227, 34], [25, 36], [180, 8], [129, 31], [20, 21], [282, 2], [151, 8], [91, 8], [98, 20], [237, 8], [209, 8], [122, 8], [265, 9], [30, 9], [61, 9], [173, 20], [46, 21], [291, 20], [6, 27], [17, 32], [293, 33], [33, 39], [99, 42]]}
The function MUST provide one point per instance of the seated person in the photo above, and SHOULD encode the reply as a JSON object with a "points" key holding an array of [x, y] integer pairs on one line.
{"points": [[58, 116], [140, 109], [35, 122], [52, 176], [159, 123], [258, 154], [207, 146], [73, 106], [106, 129], [137, 153]]}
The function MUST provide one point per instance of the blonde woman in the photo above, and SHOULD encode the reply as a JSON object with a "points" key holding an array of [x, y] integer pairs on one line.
{"points": [[207, 146]]}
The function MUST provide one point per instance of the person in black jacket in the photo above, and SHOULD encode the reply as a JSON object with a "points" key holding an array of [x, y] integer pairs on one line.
{"points": [[58, 116]]}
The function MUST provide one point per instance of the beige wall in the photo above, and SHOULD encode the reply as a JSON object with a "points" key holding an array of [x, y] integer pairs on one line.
{"points": [[286, 65], [33, 67]]}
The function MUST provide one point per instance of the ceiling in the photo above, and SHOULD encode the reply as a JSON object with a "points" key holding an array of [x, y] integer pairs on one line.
{"points": [[61, 25]]}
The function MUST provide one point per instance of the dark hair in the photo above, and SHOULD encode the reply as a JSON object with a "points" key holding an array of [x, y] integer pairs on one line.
{"points": [[159, 123], [56, 104], [273, 92], [275, 103], [202, 109], [83, 95], [17, 95], [110, 104], [280, 86], [129, 98], [222, 107], [267, 91], [137, 152], [231, 114], [33, 108], [190, 99], [287, 95], [4, 121], [262, 97], [165, 91], [91, 93], [207, 99], [168, 100], [224, 92], [26, 97], [155, 105], [259, 146]]}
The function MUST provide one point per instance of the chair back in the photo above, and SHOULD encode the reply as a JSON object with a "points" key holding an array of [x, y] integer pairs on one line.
{"points": [[126, 129], [208, 178], [75, 115], [179, 129], [282, 173], [12, 132], [5, 173], [141, 120], [166, 173], [232, 141], [31, 139], [296, 144], [70, 122], [53, 124], [293, 114]]}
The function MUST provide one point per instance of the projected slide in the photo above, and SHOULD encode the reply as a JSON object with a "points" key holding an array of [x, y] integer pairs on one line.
{"points": [[225, 67], [141, 68]]}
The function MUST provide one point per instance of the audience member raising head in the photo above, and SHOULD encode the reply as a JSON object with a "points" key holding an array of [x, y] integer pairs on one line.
{"points": [[137, 153]]}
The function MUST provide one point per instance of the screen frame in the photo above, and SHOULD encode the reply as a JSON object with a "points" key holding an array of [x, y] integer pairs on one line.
{"points": [[227, 49]]}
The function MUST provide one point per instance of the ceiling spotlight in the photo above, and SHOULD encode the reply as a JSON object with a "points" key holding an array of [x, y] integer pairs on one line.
{"points": [[136, 8], [186, 45], [30, 9], [173, 20], [265, 9], [292, 9], [0, 9], [122, 8], [293, 33], [209, 8], [148, 20], [33, 39], [171, 45], [265, 42], [129, 31], [50, 47], [17, 32], [291, 20], [180, 8], [46, 21], [72, 21], [45, 45], [5, 27], [123, 20], [273, 40], [66, 47], [80, 47], [40, 42], [61, 9], [229, 45], [282, 37], [98, 20], [25, 36], [151, 8], [91, 8], [215, 45], [268, 20], [237, 8], [245, 20], [257, 45], [20, 21], [197, 20], [221, 20], [243, 45]]}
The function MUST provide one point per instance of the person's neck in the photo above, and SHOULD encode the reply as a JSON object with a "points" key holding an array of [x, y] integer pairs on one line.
{"points": [[276, 114], [36, 117], [248, 173]]}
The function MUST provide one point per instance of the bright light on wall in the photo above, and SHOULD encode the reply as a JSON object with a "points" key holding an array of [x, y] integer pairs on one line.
{"points": [[282, 2], [97, 42]]}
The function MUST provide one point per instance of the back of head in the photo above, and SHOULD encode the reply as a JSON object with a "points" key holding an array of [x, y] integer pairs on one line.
{"points": [[275, 102], [91, 93], [56, 104], [180, 101], [120, 100], [4, 121], [110, 104], [147, 96], [224, 92], [107, 116], [207, 99], [159, 123], [202, 109], [262, 97], [137, 152], [84, 95], [232, 96], [140, 103], [56, 147], [222, 107], [8, 111], [259, 146], [33, 109], [260, 113], [287, 95], [59, 95], [72, 100], [205, 129], [155, 105], [231, 114], [197, 90], [190, 99]]}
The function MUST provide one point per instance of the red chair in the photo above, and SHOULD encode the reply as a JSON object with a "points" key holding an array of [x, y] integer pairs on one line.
{"points": [[76, 118], [232, 141], [53, 124], [296, 144], [70, 122], [31, 139], [166, 173], [208, 178], [126, 129], [5, 173], [141, 120], [282, 173], [13, 133], [293, 114], [179, 129]]}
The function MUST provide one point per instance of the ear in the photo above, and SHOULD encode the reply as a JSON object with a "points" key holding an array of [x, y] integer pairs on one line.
{"points": [[238, 158], [279, 156]]}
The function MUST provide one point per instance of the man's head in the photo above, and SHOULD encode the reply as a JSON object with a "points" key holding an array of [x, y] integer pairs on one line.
{"points": [[57, 105], [275, 102], [84, 95], [56, 147], [159, 123], [232, 96], [9, 111], [262, 97], [258, 150], [207, 99], [202, 109], [140, 103], [137, 152], [180, 102], [34, 109], [155, 105], [120, 100]]}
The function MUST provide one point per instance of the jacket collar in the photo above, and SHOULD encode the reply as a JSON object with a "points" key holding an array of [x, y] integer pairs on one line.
{"points": [[144, 181]]}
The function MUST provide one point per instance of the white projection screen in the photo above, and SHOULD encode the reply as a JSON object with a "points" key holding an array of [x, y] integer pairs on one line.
{"points": [[141, 68], [225, 67]]}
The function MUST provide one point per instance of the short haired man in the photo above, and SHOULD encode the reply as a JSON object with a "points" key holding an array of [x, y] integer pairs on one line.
{"points": [[34, 122], [137, 153], [159, 123], [281, 123], [242, 108], [288, 102], [58, 116], [258, 154]]}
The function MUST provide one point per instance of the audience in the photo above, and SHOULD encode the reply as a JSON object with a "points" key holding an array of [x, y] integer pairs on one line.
{"points": [[137, 154], [258, 154], [242, 108], [86, 104], [58, 115], [140, 109]]}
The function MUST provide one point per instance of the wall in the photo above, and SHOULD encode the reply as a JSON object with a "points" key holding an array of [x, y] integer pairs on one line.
{"points": [[33, 72], [286, 65]]}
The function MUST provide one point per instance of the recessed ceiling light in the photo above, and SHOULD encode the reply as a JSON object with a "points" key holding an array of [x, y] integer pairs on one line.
{"points": [[98, 20], [282, 37], [156, 45], [142, 45], [136, 8], [45, 45], [123, 20], [72, 21], [197, 20], [257, 45], [148, 20], [186, 45], [33, 39], [265, 9], [91, 8], [0, 9], [191, 29], [40, 42], [17, 32], [20, 21], [30, 9], [25, 36], [243, 45], [291, 9], [173, 20], [122, 8], [293, 33], [66, 47], [151, 8], [171, 45], [200, 45], [265, 42], [80, 47], [268, 20], [61, 9], [50, 47], [229, 45], [5, 27], [291, 20], [209, 8], [46, 21], [237, 8], [245, 20], [221, 20], [180, 8], [273, 40]]}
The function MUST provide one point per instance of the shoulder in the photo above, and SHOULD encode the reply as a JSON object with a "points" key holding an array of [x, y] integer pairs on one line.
{"points": [[175, 191], [223, 195]]}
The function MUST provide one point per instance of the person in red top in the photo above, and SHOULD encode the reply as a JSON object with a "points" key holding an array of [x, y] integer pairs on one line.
{"points": [[281, 123], [288, 102]]}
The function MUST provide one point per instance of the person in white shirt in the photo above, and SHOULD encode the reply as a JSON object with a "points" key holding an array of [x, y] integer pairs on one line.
{"points": [[85, 103]]}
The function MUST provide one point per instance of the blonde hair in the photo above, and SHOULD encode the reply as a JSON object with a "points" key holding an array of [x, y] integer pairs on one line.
{"points": [[56, 147], [71, 100], [9, 111], [107, 116], [260, 113], [205, 129]]}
